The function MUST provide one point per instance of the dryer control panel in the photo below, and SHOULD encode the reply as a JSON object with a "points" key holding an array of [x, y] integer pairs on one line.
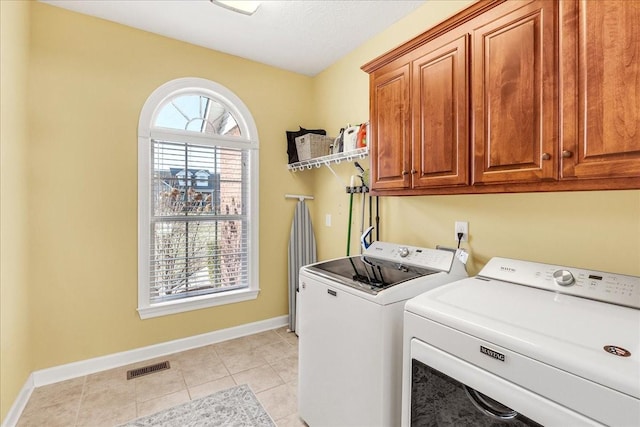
{"points": [[597, 285], [434, 259]]}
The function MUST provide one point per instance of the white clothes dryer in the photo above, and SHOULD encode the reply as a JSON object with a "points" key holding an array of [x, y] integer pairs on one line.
{"points": [[525, 343]]}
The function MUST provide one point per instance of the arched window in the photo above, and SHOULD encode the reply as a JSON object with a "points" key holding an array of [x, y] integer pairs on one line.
{"points": [[197, 199]]}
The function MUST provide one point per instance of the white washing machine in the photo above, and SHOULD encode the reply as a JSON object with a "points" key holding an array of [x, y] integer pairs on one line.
{"points": [[350, 331], [524, 343]]}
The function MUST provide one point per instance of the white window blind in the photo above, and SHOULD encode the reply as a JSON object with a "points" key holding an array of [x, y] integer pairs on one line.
{"points": [[197, 199], [199, 220]]}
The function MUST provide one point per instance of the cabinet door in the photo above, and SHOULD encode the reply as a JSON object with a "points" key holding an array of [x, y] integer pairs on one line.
{"points": [[390, 129], [440, 114], [600, 57], [514, 93]]}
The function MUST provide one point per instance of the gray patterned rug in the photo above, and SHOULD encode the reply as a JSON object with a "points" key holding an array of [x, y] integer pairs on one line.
{"points": [[237, 407]]}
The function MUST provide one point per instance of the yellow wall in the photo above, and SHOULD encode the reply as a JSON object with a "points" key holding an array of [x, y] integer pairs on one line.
{"points": [[89, 79], [15, 362], [15, 348], [599, 230]]}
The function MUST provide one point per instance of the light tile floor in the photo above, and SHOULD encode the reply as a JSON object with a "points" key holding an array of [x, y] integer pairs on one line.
{"points": [[267, 362]]}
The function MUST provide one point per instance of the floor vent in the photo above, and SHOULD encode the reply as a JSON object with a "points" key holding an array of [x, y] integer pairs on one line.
{"points": [[146, 370]]}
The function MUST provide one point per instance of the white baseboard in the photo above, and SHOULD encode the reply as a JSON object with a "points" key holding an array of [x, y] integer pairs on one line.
{"points": [[19, 404], [98, 364]]}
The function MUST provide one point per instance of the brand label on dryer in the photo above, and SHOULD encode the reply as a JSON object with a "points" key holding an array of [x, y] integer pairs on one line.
{"points": [[617, 351], [491, 353]]}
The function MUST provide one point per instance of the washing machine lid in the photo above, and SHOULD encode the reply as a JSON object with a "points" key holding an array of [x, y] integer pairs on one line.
{"points": [[574, 334], [367, 274], [383, 265]]}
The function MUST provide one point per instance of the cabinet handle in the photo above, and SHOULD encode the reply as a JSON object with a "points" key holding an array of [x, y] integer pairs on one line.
{"points": [[546, 156], [413, 171], [567, 154], [405, 173]]}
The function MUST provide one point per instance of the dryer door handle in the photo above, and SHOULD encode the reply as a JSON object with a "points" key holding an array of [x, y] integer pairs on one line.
{"points": [[488, 406]]}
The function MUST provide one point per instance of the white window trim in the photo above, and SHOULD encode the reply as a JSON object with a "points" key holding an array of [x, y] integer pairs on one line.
{"points": [[145, 133]]}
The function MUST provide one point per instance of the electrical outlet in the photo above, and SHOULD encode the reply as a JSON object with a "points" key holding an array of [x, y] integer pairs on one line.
{"points": [[462, 227]]}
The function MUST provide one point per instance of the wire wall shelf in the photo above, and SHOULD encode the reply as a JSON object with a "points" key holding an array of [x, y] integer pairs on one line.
{"points": [[327, 161], [318, 162]]}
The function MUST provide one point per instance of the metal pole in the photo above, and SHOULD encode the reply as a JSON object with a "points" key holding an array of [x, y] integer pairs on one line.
{"points": [[349, 228]]}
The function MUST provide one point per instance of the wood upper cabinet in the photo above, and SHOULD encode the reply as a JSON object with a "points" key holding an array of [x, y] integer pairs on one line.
{"points": [[511, 96], [514, 94], [390, 128], [440, 114], [600, 69], [420, 114]]}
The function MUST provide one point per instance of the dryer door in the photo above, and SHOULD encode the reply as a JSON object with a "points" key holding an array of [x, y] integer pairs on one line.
{"points": [[446, 390], [437, 399]]}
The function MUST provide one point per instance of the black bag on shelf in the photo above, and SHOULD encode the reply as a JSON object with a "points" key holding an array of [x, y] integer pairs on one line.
{"points": [[292, 151]]}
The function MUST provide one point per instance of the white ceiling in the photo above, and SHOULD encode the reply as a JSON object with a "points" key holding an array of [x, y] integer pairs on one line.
{"points": [[304, 36]]}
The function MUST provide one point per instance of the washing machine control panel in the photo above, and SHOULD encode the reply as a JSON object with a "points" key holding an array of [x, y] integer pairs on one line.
{"points": [[435, 259], [598, 285]]}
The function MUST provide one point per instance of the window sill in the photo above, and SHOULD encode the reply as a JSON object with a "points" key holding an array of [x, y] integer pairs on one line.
{"points": [[196, 303]]}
